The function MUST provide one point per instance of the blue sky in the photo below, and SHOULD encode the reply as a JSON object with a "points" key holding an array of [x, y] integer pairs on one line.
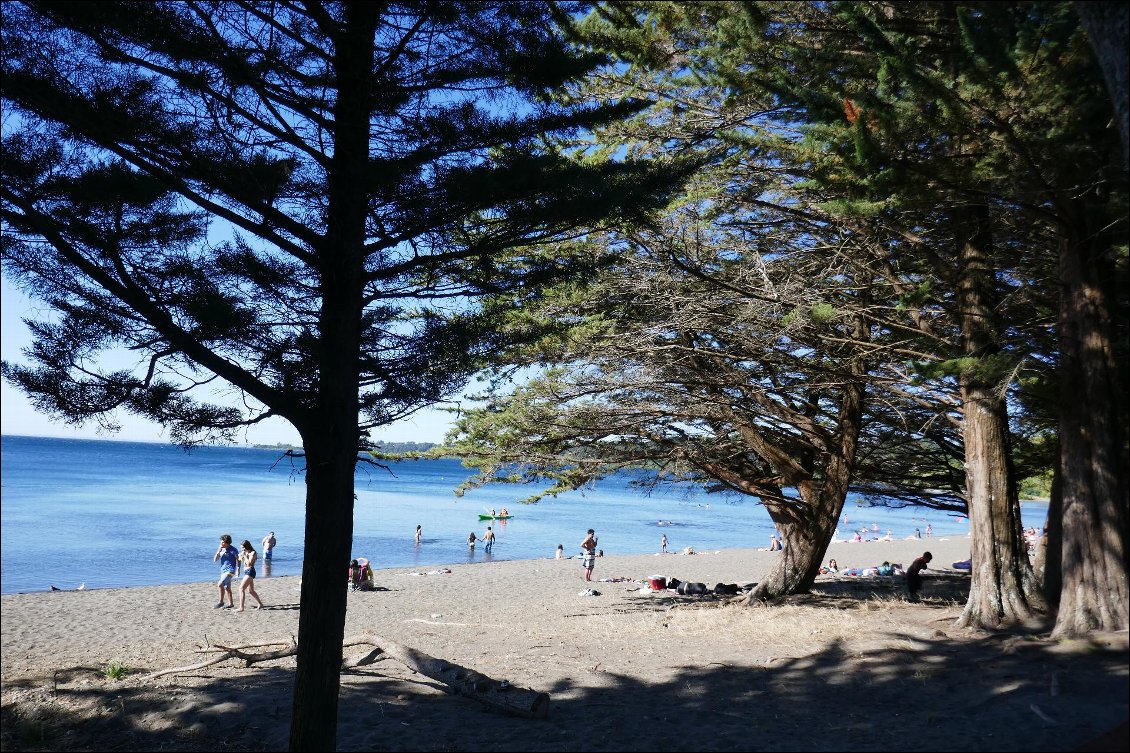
{"points": [[17, 416]]}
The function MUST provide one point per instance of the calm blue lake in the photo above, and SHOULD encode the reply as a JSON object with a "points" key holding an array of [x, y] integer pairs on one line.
{"points": [[111, 514]]}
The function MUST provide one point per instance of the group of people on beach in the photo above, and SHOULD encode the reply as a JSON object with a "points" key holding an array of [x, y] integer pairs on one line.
{"points": [[487, 539], [913, 573], [236, 563]]}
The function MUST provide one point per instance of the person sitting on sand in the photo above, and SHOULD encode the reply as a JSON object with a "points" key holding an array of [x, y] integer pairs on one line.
{"points": [[354, 576], [831, 569], [360, 575]]}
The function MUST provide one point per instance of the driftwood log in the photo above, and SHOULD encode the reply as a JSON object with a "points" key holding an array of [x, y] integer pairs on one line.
{"points": [[497, 694]]}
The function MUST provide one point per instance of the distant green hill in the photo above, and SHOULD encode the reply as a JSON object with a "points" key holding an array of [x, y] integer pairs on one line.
{"points": [[388, 447], [392, 447]]}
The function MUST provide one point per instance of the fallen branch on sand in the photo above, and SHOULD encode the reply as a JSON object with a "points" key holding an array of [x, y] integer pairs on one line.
{"points": [[498, 694]]}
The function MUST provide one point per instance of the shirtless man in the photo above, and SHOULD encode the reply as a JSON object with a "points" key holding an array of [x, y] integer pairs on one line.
{"points": [[268, 544], [588, 561]]}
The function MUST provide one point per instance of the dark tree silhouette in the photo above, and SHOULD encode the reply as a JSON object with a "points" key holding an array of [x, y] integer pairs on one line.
{"points": [[301, 202]]}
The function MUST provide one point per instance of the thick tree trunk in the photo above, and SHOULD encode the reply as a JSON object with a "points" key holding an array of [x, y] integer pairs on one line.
{"points": [[808, 527], [1108, 26], [321, 621], [1003, 588], [331, 439], [806, 532], [1092, 444]]}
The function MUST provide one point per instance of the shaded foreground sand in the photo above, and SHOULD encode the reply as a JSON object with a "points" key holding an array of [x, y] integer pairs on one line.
{"points": [[853, 666]]}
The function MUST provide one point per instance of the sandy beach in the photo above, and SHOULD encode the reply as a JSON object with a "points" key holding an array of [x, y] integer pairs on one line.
{"points": [[852, 666]]}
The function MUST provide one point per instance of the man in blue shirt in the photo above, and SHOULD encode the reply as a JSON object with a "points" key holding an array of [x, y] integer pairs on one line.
{"points": [[228, 557]]}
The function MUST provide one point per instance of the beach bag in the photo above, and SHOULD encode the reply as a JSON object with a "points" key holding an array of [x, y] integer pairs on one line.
{"points": [[691, 589]]}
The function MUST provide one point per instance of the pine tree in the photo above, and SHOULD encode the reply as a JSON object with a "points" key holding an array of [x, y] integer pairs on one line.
{"points": [[730, 345], [303, 202], [1017, 93]]}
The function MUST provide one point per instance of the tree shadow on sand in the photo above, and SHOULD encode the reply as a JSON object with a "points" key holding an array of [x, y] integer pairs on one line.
{"points": [[1006, 692]]}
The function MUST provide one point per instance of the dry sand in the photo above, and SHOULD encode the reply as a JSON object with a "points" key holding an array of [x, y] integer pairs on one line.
{"points": [[853, 666]]}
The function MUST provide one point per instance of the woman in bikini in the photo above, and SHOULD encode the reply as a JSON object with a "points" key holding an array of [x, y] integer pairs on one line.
{"points": [[247, 561]]}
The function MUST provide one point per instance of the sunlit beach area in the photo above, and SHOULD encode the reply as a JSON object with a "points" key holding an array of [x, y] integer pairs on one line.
{"points": [[852, 666]]}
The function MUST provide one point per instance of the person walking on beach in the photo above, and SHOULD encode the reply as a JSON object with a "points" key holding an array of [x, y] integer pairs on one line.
{"points": [[663, 544], [419, 533], [229, 558], [488, 537], [929, 530], [588, 560], [268, 544], [247, 586], [914, 577]]}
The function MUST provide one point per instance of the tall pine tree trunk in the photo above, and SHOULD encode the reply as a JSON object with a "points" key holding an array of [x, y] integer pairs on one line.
{"points": [[1108, 27], [331, 450], [1092, 443], [1003, 589], [321, 622]]}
